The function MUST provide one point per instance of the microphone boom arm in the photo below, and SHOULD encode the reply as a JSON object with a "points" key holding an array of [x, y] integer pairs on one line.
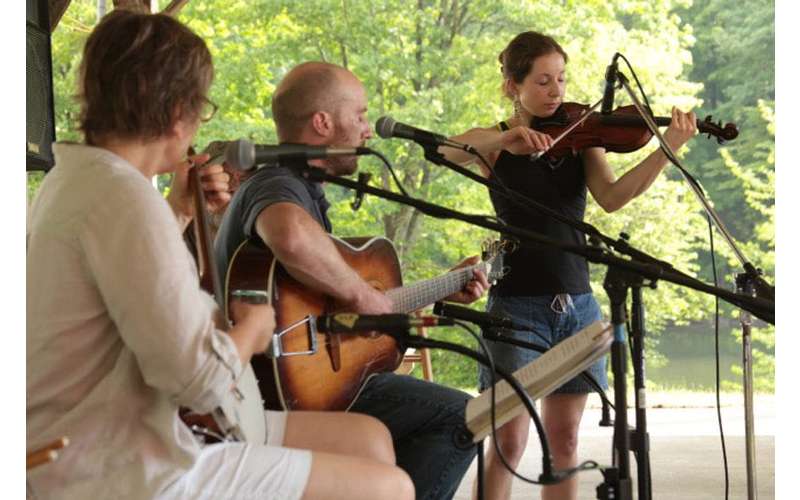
{"points": [[648, 267], [712, 214]]}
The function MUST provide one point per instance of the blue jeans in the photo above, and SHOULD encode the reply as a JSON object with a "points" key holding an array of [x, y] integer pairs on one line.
{"points": [[425, 420], [553, 319]]}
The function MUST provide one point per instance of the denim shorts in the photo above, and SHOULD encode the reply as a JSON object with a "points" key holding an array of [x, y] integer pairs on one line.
{"points": [[552, 318]]}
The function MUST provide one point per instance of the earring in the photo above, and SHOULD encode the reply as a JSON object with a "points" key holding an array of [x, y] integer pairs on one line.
{"points": [[517, 106]]}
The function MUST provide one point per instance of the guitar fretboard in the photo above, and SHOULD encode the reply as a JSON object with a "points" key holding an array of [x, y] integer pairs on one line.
{"points": [[410, 298]]}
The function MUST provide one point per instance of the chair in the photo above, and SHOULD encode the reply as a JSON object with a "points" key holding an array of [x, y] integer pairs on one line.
{"points": [[422, 356]]}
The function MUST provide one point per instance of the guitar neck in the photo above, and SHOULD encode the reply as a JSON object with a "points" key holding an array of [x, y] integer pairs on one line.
{"points": [[410, 298], [208, 272]]}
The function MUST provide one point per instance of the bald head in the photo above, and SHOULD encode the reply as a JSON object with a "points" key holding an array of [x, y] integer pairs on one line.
{"points": [[307, 89]]}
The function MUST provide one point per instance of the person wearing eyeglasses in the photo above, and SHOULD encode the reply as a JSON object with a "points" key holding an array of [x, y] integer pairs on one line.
{"points": [[119, 333]]}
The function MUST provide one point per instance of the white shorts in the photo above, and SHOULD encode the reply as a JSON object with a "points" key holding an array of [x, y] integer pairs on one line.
{"points": [[276, 427], [247, 471]]}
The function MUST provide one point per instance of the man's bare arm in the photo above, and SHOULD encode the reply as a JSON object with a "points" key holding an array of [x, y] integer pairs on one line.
{"points": [[310, 256]]}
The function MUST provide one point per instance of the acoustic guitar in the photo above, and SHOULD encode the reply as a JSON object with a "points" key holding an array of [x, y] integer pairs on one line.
{"points": [[306, 370]]}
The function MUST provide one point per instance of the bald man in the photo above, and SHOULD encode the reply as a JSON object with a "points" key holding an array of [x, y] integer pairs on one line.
{"points": [[323, 104]]}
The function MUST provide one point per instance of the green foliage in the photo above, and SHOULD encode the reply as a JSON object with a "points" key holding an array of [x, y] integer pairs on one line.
{"points": [[734, 57], [34, 180], [756, 173], [434, 64], [67, 42]]}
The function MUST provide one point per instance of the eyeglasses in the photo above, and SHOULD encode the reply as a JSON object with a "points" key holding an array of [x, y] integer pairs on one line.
{"points": [[208, 111]]}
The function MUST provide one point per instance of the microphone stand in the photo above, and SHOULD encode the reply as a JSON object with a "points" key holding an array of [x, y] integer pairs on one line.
{"points": [[646, 267], [652, 268], [363, 178], [617, 480], [748, 282]]}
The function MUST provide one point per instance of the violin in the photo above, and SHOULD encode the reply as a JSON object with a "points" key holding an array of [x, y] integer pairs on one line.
{"points": [[622, 131]]}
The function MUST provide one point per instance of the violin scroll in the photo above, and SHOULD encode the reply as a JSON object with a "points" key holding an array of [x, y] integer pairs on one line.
{"points": [[723, 134]]}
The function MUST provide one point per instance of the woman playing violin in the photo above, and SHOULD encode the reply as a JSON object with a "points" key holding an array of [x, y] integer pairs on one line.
{"points": [[548, 289]]}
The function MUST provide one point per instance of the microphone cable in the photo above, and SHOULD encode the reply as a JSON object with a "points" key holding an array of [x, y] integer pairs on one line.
{"points": [[716, 356], [391, 171], [550, 476], [638, 84], [689, 178], [546, 464]]}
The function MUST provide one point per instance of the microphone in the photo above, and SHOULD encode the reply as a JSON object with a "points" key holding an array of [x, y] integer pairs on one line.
{"points": [[482, 319], [243, 154], [611, 80], [387, 128], [350, 322]]}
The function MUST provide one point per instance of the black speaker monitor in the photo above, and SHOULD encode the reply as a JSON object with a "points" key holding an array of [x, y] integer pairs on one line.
{"points": [[39, 113]]}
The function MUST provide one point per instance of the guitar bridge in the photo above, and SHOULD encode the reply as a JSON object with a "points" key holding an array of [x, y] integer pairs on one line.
{"points": [[277, 339]]}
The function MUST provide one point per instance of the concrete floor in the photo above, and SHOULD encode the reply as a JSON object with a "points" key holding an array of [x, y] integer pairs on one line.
{"points": [[685, 457]]}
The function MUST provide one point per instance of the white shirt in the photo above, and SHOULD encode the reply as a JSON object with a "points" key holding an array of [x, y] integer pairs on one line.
{"points": [[119, 334]]}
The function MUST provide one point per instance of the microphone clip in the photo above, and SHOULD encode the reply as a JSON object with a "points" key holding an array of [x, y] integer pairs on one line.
{"points": [[363, 180]]}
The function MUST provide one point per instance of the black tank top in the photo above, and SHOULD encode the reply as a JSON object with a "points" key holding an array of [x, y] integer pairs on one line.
{"points": [[560, 186]]}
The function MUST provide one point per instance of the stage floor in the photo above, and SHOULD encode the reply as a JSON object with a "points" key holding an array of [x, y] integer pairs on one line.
{"points": [[685, 455]]}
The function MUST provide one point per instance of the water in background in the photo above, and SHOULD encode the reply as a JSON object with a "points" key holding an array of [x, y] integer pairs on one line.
{"points": [[688, 358]]}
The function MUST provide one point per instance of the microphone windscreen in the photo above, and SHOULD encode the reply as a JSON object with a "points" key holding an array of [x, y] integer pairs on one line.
{"points": [[385, 127], [216, 149], [240, 154]]}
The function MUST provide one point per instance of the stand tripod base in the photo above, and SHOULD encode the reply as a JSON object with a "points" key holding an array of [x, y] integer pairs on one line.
{"points": [[614, 488]]}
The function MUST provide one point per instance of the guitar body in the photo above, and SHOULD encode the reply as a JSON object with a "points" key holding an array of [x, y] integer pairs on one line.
{"points": [[331, 378]]}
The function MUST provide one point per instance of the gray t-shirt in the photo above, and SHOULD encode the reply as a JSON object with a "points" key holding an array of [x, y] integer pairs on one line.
{"points": [[267, 186]]}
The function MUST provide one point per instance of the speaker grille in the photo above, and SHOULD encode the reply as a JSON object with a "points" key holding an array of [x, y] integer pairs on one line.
{"points": [[40, 129], [35, 13]]}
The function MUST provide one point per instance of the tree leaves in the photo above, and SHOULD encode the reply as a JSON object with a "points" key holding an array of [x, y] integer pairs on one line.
{"points": [[434, 64]]}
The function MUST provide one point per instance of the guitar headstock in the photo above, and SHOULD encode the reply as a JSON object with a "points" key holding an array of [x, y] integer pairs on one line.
{"points": [[493, 254]]}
